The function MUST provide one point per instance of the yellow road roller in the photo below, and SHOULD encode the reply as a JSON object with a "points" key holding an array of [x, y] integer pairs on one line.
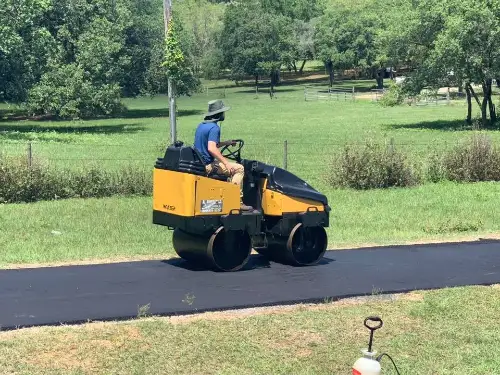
{"points": [[287, 224]]}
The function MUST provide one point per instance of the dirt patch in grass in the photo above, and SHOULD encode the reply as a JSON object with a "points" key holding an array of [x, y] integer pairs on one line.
{"points": [[299, 342], [83, 348], [64, 357], [282, 309]]}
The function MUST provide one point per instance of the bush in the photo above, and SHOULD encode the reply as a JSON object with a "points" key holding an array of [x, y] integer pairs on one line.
{"points": [[435, 168], [65, 92], [22, 183], [393, 96], [473, 161], [373, 166]]}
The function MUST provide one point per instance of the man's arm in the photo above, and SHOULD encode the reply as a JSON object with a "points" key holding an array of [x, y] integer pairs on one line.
{"points": [[214, 151], [226, 143]]}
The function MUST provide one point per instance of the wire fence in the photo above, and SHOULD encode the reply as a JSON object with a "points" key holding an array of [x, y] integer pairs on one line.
{"points": [[312, 161], [285, 154]]}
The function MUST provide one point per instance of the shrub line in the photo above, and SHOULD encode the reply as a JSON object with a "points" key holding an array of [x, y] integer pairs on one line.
{"points": [[360, 167]]}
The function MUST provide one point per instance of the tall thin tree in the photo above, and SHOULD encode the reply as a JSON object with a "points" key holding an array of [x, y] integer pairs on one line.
{"points": [[167, 7]]}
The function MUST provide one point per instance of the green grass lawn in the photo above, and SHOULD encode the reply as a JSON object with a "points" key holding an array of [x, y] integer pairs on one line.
{"points": [[437, 332], [121, 228], [315, 131]]}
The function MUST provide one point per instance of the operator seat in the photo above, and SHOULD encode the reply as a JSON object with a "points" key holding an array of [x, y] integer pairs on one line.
{"points": [[186, 159]]}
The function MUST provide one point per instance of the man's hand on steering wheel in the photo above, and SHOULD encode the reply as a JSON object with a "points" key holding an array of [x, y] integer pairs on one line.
{"points": [[234, 154]]}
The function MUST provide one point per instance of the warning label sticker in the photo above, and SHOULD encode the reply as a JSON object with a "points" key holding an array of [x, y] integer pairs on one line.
{"points": [[210, 206]]}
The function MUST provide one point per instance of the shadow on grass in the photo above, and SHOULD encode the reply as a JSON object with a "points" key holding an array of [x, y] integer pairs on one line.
{"points": [[17, 131], [157, 112], [10, 115], [443, 125]]}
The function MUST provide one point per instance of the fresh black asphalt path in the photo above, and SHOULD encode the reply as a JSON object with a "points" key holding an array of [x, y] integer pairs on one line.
{"points": [[75, 294]]}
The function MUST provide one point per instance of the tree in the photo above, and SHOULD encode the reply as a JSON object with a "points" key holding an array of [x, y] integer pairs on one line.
{"points": [[303, 44], [345, 38], [303, 10], [303, 15], [451, 42], [202, 23], [177, 65], [255, 42], [25, 45], [77, 58]]}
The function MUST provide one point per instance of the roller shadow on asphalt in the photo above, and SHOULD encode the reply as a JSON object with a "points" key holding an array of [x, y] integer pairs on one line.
{"points": [[255, 262]]}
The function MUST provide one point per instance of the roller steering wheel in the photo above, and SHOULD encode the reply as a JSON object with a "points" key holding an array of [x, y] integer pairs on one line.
{"points": [[235, 154]]}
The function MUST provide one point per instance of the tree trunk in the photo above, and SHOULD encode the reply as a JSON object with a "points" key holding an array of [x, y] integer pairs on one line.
{"points": [[301, 70], [491, 105], [469, 105], [329, 67], [295, 67], [493, 111], [380, 79], [256, 80], [473, 94], [274, 81], [484, 105]]}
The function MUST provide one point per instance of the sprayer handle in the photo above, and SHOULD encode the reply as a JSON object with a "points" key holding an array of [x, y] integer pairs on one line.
{"points": [[374, 319]]}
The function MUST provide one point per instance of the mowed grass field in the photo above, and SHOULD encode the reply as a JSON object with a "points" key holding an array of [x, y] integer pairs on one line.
{"points": [[434, 332], [438, 332], [121, 228]]}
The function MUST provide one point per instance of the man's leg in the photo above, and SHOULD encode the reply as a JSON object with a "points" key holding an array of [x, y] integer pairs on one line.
{"points": [[236, 178]]}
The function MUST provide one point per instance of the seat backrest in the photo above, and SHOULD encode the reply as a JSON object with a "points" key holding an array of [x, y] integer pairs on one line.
{"points": [[184, 159]]}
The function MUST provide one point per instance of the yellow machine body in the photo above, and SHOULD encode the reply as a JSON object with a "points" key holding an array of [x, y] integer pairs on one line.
{"points": [[204, 211], [277, 204], [185, 194]]}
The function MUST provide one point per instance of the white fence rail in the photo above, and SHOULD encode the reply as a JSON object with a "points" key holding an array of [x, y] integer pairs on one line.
{"points": [[317, 93]]}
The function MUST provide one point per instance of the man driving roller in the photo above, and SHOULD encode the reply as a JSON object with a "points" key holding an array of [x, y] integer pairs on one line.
{"points": [[207, 142]]}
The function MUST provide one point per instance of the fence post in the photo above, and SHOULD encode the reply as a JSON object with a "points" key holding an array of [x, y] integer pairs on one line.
{"points": [[391, 145], [353, 95], [30, 155], [285, 155]]}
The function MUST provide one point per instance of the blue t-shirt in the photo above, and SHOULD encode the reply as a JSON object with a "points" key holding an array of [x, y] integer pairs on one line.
{"points": [[206, 131]]}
